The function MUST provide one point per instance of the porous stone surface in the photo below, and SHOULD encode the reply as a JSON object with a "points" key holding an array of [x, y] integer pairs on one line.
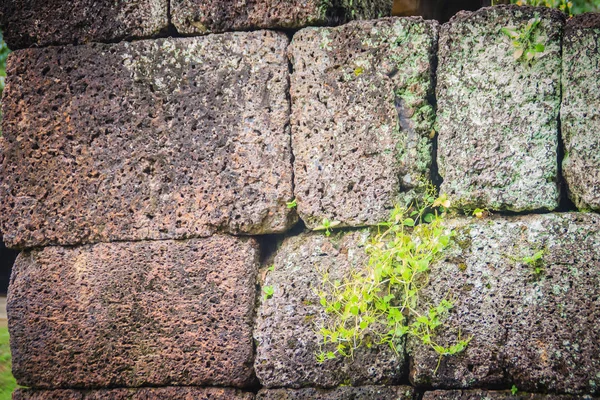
{"points": [[170, 393], [497, 116], [44, 22], [493, 395], [210, 16], [580, 115], [162, 139], [134, 314], [286, 333], [361, 117], [340, 393], [536, 331]]}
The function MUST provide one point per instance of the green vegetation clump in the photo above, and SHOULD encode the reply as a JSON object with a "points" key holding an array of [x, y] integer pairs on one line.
{"points": [[572, 7], [379, 304], [526, 42], [7, 381]]}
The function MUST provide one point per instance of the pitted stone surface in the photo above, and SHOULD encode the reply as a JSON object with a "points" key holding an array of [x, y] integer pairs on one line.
{"points": [[537, 332], [498, 117], [580, 114], [495, 395], [340, 393], [361, 117], [45, 22], [286, 330], [210, 16], [170, 393], [134, 314], [162, 139]]}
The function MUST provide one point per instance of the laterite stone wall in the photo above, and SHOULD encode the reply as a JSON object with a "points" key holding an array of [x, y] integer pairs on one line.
{"points": [[151, 151]]}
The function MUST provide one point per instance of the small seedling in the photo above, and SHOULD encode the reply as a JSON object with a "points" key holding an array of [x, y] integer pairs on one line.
{"points": [[524, 40], [514, 390], [481, 212], [268, 291], [271, 268], [535, 262], [327, 225], [292, 204]]}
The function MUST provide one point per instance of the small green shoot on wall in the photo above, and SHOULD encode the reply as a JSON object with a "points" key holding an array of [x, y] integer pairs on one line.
{"points": [[269, 291], [525, 41], [292, 204], [327, 226], [535, 263]]}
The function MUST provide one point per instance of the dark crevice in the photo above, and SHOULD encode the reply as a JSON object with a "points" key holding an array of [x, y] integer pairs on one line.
{"points": [[435, 176]]}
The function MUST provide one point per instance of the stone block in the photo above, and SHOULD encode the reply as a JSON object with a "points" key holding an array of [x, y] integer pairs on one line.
{"points": [[536, 330], [170, 393], [211, 16], [480, 394], [340, 393], [49, 22], [580, 115], [286, 332], [157, 139], [361, 117], [497, 116], [134, 314]]}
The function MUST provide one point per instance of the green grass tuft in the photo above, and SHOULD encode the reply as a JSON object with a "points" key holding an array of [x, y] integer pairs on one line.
{"points": [[7, 381]]}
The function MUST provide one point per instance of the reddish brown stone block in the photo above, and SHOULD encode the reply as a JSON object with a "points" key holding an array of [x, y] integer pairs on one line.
{"points": [[157, 139], [170, 393], [134, 314], [44, 22]]}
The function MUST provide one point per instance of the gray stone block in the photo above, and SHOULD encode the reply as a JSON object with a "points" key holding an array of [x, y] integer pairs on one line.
{"points": [[480, 394], [580, 115], [161, 139], [536, 331], [340, 393], [165, 393], [361, 117], [49, 22], [210, 16], [497, 116], [134, 314], [286, 332]]}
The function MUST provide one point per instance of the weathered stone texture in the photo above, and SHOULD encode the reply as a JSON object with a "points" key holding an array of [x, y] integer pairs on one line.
{"points": [[162, 139], [170, 393], [497, 116], [537, 332], [340, 393], [494, 395], [44, 22], [361, 117], [287, 323], [134, 314], [210, 16], [580, 114]]}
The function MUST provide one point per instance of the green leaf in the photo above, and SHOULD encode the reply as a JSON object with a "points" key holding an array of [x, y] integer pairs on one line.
{"points": [[268, 291], [292, 204], [409, 222]]}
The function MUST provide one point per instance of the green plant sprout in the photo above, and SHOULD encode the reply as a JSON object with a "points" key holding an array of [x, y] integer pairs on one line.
{"points": [[524, 40], [269, 291], [292, 204], [378, 304], [326, 225], [535, 262], [513, 390], [481, 213]]}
